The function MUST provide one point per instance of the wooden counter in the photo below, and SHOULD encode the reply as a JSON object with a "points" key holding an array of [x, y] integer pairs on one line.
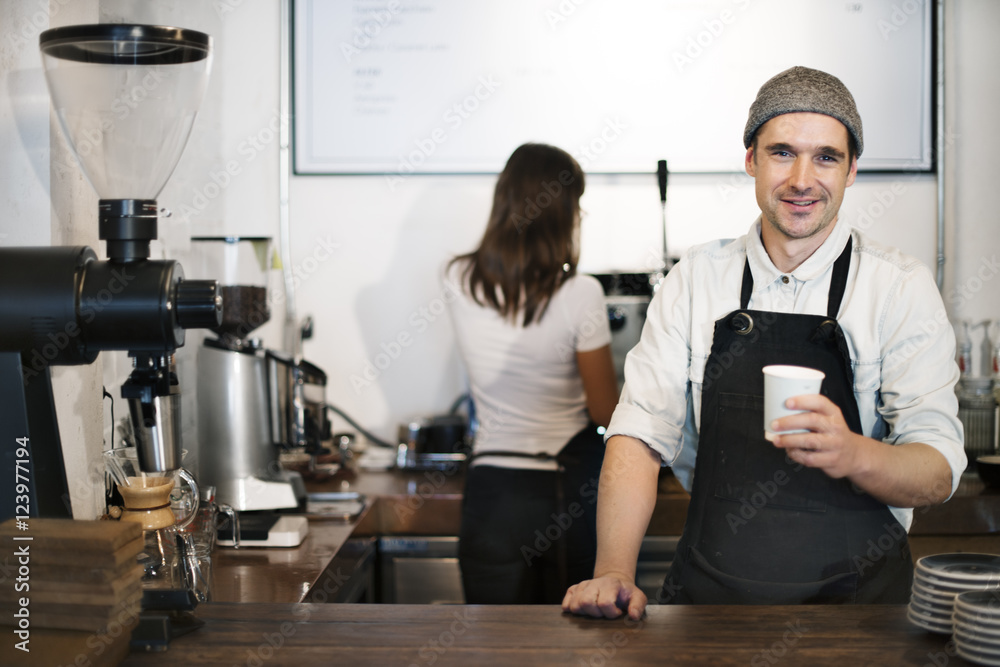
{"points": [[313, 634], [429, 503]]}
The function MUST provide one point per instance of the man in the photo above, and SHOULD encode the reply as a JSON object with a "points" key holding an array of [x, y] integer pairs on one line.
{"points": [[814, 517]]}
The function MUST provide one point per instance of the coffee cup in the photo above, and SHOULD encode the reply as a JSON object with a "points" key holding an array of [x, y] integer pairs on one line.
{"points": [[782, 383]]}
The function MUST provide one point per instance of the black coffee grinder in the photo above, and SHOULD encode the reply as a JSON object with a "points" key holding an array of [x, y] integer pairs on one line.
{"points": [[126, 97]]}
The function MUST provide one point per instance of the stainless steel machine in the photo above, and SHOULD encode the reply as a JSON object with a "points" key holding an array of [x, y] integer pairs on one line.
{"points": [[238, 452], [126, 97]]}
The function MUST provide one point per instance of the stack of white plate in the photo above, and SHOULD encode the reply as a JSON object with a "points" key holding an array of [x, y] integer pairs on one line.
{"points": [[940, 578], [977, 626]]}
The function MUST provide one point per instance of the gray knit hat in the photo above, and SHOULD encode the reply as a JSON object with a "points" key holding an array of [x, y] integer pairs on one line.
{"points": [[804, 89]]}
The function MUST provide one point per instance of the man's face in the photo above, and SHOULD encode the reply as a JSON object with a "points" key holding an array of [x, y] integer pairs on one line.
{"points": [[801, 168]]}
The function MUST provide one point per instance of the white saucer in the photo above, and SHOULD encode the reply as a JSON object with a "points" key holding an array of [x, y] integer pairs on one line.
{"points": [[978, 643], [928, 622], [932, 599], [973, 625], [958, 567], [943, 613], [973, 656]]}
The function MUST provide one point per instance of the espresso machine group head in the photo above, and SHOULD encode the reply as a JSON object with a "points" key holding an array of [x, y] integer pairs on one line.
{"points": [[126, 97]]}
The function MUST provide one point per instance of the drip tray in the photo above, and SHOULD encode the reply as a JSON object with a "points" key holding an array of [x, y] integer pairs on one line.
{"points": [[267, 529]]}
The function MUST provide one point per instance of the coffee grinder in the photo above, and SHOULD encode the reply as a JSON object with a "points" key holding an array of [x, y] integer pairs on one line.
{"points": [[126, 97], [237, 451]]}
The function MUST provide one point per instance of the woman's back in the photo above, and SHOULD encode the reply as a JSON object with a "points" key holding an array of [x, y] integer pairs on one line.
{"points": [[524, 380]]}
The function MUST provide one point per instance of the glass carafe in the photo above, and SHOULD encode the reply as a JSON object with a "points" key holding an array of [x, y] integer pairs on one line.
{"points": [[163, 504]]}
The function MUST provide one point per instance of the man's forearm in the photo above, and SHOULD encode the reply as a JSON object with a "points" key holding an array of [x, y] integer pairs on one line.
{"points": [[625, 501], [906, 475]]}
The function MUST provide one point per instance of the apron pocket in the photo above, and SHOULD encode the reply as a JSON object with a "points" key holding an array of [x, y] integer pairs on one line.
{"points": [[751, 469], [703, 584]]}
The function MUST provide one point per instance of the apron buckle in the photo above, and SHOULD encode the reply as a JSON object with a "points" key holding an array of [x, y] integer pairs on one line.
{"points": [[742, 323]]}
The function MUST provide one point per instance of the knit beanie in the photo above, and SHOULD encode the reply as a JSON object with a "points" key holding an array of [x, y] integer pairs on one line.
{"points": [[804, 89]]}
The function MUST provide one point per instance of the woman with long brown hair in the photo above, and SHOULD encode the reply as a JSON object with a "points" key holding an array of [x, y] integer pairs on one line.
{"points": [[535, 341]]}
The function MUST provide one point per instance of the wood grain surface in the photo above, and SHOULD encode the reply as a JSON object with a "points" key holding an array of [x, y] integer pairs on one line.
{"points": [[309, 634]]}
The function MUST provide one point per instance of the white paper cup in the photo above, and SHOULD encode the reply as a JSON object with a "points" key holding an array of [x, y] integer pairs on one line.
{"points": [[780, 384]]}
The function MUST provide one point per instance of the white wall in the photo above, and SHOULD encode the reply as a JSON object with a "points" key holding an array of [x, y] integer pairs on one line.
{"points": [[365, 257], [391, 242]]}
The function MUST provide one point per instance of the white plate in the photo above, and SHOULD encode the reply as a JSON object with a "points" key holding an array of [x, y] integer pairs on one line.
{"points": [[943, 587], [939, 587], [978, 643], [972, 625], [944, 613], [984, 601], [980, 620], [926, 623], [962, 567], [932, 596], [978, 658]]}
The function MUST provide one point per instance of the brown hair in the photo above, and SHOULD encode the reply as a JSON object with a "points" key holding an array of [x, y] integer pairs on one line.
{"points": [[529, 248]]}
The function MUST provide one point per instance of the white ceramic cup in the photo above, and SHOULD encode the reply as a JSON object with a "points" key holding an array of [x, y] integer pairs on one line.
{"points": [[780, 384]]}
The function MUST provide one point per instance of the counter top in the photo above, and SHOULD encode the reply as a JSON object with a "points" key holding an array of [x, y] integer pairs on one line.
{"points": [[317, 634], [429, 503]]}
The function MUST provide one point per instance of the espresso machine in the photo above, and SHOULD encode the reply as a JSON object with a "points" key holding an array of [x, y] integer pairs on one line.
{"points": [[126, 97]]}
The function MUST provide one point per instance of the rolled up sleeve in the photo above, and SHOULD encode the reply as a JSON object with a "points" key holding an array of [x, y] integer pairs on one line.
{"points": [[919, 373], [653, 403]]}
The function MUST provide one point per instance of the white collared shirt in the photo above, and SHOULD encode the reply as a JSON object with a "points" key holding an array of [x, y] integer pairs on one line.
{"points": [[901, 342]]}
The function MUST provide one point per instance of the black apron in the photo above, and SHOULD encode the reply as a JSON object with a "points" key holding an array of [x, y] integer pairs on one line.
{"points": [[762, 529], [578, 469]]}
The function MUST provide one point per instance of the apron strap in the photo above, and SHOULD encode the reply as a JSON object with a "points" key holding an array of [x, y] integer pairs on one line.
{"points": [[838, 282], [538, 456]]}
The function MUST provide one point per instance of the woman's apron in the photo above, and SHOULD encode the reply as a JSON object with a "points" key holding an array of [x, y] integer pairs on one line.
{"points": [[762, 529], [578, 471]]}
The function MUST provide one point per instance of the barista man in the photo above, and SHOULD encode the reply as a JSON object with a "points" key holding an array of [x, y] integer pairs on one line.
{"points": [[815, 517]]}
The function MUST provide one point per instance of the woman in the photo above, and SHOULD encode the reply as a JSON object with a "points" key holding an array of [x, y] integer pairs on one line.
{"points": [[535, 340]]}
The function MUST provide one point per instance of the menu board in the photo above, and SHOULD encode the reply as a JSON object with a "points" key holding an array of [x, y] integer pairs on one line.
{"points": [[453, 86]]}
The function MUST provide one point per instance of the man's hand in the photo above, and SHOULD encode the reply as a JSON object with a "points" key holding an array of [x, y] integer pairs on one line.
{"points": [[608, 596], [830, 445], [911, 474]]}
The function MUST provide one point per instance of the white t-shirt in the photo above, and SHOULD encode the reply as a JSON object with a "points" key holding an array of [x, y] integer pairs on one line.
{"points": [[524, 380]]}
